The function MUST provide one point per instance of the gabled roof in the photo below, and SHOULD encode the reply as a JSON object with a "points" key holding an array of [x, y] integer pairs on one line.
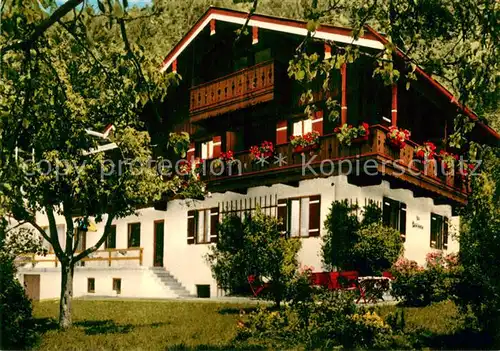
{"points": [[370, 39]]}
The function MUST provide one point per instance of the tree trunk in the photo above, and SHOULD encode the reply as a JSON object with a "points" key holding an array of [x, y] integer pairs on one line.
{"points": [[67, 270]]}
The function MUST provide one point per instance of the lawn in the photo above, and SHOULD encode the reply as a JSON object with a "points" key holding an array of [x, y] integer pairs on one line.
{"points": [[132, 325], [160, 325]]}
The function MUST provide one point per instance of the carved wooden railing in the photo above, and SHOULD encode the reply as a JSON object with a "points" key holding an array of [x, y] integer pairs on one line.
{"points": [[376, 147], [107, 255], [237, 90]]}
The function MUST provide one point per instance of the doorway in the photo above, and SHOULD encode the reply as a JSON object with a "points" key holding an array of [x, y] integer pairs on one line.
{"points": [[159, 233], [32, 286]]}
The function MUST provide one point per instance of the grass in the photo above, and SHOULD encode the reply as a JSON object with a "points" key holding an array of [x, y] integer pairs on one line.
{"points": [[132, 325], [160, 325]]}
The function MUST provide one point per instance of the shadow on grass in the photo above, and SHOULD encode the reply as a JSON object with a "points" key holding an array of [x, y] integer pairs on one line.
{"points": [[95, 327], [182, 347], [43, 325]]}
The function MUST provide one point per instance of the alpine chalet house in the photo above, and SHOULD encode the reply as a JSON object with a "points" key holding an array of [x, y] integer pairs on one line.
{"points": [[236, 98]]}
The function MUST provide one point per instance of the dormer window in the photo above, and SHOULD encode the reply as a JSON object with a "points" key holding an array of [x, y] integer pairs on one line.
{"points": [[302, 127]]}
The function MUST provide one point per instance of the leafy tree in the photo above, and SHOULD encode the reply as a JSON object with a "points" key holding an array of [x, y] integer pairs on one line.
{"points": [[479, 288], [254, 247], [366, 246], [60, 78]]}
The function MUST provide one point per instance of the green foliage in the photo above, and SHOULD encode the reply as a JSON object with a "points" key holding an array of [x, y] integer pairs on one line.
{"points": [[254, 247], [479, 286], [376, 249], [179, 142], [17, 327], [418, 286], [366, 246], [341, 225], [329, 320]]}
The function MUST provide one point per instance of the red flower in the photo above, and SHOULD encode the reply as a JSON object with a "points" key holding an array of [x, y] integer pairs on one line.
{"points": [[336, 130], [365, 125]]}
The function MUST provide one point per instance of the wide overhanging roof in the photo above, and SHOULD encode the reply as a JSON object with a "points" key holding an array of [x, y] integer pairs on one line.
{"points": [[370, 39]]}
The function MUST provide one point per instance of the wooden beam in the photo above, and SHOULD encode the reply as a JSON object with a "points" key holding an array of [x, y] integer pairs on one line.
{"points": [[394, 109], [212, 27], [343, 105], [255, 35]]}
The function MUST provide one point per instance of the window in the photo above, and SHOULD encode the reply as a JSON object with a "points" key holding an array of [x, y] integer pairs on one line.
{"points": [[90, 285], [394, 215], [302, 127], [263, 55], [61, 236], [110, 242], [117, 285], [207, 150], [300, 217], [439, 232], [134, 235], [202, 226]]}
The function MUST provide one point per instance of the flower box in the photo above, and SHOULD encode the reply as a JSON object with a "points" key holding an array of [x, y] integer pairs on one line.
{"points": [[265, 150], [396, 137], [308, 148], [305, 143], [347, 134]]}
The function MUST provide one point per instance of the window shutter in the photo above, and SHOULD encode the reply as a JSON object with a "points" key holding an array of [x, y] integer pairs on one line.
{"points": [[434, 221], [214, 221], [317, 122], [314, 215], [190, 152], [402, 220], [386, 212], [281, 132], [217, 146], [283, 215], [191, 226], [445, 233]]}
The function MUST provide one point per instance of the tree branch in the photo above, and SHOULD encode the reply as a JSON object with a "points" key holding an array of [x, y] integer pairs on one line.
{"points": [[44, 25], [107, 229]]}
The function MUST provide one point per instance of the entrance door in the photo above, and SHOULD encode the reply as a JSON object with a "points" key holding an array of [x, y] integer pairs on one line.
{"points": [[32, 286], [159, 229]]}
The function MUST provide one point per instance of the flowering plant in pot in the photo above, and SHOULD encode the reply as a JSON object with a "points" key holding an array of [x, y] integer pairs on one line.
{"points": [[397, 137], [465, 170], [425, 152], [266, 149], [191, 168], [347, 134], [306, 142], [225, 158], [447, 160]]}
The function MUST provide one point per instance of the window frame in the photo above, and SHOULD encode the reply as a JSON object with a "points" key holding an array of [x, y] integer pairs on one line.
{"points": [[399, 207], [117, 285], [441, 235], [301, 225], [112, 234], [90, 282], [129, 234], [302, 126], [208, 236]]}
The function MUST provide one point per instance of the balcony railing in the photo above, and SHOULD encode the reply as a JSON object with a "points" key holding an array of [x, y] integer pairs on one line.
{"points": [[390, 162], [102, 258], [237, 90]]}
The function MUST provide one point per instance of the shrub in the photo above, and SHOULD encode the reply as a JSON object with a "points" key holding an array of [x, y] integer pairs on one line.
{"points": [[366, 246], [330, 319], [17, 328], [415, 285], [376, 249], [254, 247]]}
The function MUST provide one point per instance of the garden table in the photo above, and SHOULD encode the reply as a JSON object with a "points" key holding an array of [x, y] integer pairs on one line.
{"points": [[372, 289]]}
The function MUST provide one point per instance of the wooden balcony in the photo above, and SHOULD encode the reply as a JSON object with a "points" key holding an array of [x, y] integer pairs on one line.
{"points": [[99, 258], [235, 91], [394, 165]]}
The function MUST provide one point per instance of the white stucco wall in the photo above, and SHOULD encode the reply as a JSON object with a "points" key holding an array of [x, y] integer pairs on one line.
{"points": [[138, 282], [187, 262]]}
